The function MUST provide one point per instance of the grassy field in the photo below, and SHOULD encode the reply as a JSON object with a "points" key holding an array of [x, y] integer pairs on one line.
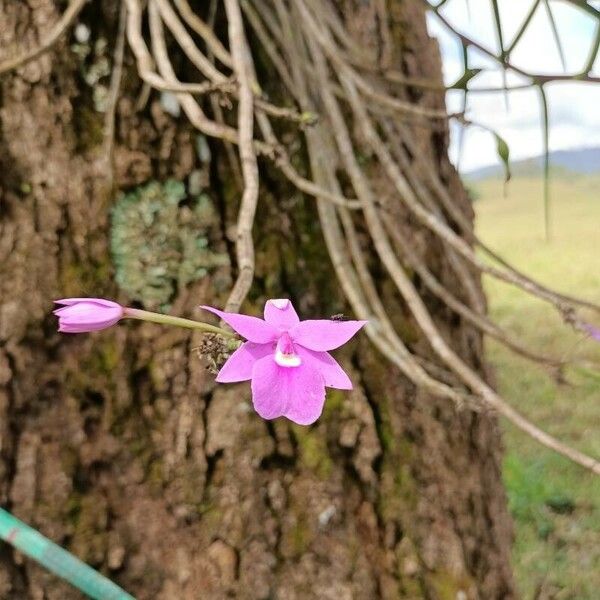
{"points": [[556, 505]]}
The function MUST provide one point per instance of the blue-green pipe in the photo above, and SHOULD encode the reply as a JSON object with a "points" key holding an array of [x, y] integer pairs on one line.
{"points": [[57, 560]]}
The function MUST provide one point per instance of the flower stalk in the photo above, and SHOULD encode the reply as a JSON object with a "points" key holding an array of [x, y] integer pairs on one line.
{"points": [[152, 317]]}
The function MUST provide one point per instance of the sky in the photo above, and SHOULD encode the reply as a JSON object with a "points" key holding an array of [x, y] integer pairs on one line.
{"points": [[574, 108]]}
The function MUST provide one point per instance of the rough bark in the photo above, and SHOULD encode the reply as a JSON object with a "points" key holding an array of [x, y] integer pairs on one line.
{"points": [[120, 447]]}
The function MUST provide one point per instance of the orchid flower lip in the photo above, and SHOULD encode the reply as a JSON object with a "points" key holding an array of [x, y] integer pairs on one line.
{"points": [[287, 360], [285, 354]]}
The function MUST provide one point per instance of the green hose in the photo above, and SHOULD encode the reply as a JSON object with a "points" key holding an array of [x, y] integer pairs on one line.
{"points": [[58, 561]]}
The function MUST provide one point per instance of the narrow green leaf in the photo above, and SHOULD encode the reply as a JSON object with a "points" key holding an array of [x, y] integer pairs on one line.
{"points": [[546, 134], [555, 34], [588, 8], [593, 51], [498, 25], [462, 82], [461, 134], [523, 27], [503, 54], [504, 155]]}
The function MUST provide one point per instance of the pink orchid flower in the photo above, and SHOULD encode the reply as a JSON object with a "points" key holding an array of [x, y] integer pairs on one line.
{"points": [[80, 315], [287, 360]]}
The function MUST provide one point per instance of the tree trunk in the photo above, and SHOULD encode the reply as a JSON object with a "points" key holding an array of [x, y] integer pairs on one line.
{"points": [[119, 446]]}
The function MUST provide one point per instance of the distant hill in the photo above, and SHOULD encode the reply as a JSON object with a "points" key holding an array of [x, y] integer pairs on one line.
{"points": [[584, 160]]}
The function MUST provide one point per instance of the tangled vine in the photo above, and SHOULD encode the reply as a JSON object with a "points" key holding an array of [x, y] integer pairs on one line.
{"points": [[347, 102]]}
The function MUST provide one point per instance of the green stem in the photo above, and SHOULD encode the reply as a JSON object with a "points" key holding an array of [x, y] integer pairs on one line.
{"points": [[546, 132], [57, 560], [152, 317]]}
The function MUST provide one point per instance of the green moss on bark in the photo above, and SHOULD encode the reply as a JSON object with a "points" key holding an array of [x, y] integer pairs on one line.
{"points": [[161, 241]]}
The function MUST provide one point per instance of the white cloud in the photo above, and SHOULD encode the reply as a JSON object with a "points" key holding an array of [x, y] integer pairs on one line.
{"points": [[573, 107]]}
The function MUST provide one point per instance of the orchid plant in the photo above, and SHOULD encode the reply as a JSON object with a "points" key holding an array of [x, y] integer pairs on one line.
{"points": [[287, 360]]}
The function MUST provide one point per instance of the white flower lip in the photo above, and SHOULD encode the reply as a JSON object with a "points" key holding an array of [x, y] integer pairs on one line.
{"points": [[287, 360]]}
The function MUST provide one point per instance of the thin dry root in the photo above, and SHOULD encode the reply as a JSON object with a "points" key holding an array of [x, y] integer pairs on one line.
{"points": [[358, 114]]}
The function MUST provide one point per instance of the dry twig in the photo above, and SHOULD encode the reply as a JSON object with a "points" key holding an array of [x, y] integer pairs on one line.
{"points": [[240, 54]]}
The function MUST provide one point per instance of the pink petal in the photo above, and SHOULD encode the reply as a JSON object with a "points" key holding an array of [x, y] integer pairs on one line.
{"points": [[269, 393], [281, 314], [298, 393], [84, 327], [239, 365], [90, 313], [306, 395], [101, 301], [332, 373], [252, 328], [324, 334]]}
